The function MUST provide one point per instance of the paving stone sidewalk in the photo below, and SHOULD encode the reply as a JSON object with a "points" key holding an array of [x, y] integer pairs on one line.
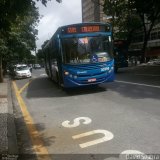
{"points": [[8, 140]]}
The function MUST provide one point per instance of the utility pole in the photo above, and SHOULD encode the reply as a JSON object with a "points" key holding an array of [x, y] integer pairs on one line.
{"points": [[35, 55], [1, 70]]}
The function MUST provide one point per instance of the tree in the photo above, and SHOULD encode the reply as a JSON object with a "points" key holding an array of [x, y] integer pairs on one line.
{"points": [[149, 13], [40, 54], [18, 19], [10, 16], [3, 49], [123, 18], [132, 15], [22, 35]]}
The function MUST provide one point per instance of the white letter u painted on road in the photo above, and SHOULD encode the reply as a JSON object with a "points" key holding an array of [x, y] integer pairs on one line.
{"points": [[107, 136]]}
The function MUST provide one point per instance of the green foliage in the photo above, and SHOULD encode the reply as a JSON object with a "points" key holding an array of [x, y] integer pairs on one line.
{"points": [[124, 19], [40, 54], [131, 16], [18, 21], [149, 13], [151, 8], [3, 47]]}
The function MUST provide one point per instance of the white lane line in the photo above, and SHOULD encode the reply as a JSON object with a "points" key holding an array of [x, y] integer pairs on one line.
{"points": [[139, 84], [43, 75], [152, 75]]}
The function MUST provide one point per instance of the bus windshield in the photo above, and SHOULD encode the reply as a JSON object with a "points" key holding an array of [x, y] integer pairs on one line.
{"points": [[87, 49]]}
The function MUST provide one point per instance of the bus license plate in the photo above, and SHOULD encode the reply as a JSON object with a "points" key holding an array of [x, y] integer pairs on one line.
{"points": [[92, 80]]}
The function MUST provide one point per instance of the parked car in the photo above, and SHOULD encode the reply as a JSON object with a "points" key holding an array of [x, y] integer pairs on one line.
{"points": [[37, 66], [154, 62], [22, 72]]}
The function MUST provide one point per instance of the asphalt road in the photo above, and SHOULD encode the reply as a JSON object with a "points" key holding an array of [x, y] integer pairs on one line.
{"points": [[90, 123]]}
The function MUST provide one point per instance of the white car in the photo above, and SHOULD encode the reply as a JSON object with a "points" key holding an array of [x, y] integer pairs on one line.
{"points": [[154, 62], [22, 72]]}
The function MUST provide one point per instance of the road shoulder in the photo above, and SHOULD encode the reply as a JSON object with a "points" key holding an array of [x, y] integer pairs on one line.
{"points": [[8, 140]]}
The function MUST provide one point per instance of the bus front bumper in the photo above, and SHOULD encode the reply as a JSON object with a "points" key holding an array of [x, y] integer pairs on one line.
{"points": [[70, 82]]}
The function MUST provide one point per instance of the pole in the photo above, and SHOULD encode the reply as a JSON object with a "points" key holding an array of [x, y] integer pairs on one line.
{"points": [[1, 70], [35, 56]]}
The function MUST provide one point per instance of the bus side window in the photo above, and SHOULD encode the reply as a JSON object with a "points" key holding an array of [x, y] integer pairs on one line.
{"points": [[53, 54]]}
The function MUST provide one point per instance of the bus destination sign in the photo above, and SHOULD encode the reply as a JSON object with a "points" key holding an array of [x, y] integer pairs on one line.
{"points": [[90, 29], [85, 29]]}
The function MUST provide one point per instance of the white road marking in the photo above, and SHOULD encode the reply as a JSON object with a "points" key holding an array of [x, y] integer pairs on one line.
{"points": [[132, 152], [76, 122], [107, 136], [152, 75], [43, 74], [135, 154], [139, 84]]}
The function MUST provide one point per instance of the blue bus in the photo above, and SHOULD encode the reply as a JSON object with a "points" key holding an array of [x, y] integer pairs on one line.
{"points": [[80, 55]]}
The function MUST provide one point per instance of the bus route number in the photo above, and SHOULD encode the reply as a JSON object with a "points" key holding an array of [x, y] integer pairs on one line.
{"points": [[72, 30]]}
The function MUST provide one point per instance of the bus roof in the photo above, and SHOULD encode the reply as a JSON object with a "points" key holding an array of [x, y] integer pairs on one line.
{"points": [[86, 23], [75, 29]]}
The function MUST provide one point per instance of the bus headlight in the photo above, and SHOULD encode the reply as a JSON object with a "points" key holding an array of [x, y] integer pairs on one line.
{"points": [[70, 75], [75, 77]]}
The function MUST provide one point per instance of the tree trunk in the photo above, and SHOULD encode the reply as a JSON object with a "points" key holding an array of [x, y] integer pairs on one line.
{"points": [[144, 50], [1, 70], [146, 37]]}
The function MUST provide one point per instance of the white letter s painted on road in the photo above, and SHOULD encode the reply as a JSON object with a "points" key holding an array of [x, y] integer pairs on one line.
{"points": [[76, 122]]}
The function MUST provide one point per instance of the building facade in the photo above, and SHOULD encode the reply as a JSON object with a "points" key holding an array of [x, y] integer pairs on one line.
{"points": [[153, 47], [92, 11]]}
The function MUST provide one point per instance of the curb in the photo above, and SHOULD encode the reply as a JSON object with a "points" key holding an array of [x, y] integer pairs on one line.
{"points": [[12, 138], [3, 118], [8, 139]]}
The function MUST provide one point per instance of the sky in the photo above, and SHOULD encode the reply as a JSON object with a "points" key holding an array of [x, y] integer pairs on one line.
{"points": [[56, 15]]}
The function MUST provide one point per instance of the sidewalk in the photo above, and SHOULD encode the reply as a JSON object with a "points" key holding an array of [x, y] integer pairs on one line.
{"points": [[8, 140]]}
